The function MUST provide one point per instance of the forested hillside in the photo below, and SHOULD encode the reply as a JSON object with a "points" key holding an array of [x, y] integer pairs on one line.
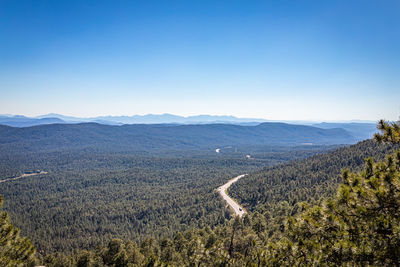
{"points": [[304, 180], [358, 226], [164, 137], [15, 250], [120, 209], [89, 200], [360, 130], [88, 197]]}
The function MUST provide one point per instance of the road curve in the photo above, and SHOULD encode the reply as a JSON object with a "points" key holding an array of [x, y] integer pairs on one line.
{"points": [[239, 211], [22, 176]]}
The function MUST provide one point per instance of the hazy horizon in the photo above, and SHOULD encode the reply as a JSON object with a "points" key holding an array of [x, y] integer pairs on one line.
{"points": [[55, 115], [312, 60]]}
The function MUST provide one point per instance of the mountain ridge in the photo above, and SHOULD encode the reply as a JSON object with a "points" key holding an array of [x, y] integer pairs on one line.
{"points": [[144, 137], [171, 118]]}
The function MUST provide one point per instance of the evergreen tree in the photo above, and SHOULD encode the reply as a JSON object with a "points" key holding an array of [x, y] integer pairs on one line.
{"points": [[14, 249], [359, 226], [390, 132]]}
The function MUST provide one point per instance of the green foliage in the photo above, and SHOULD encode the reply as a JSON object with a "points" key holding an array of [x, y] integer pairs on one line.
{"points": [[390, 132], [14, 249], [160, 137], [82, 208], [169, 209], [310, 179], [359, 226], [90, 197], [234, 244]]}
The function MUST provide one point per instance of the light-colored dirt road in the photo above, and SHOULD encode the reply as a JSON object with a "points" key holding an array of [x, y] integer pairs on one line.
{"points": [[239, 211], [22, 176]]}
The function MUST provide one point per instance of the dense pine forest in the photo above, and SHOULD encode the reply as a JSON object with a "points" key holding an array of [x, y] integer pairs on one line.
{"points": [[90, 194], [308, 180], [119, 210]]}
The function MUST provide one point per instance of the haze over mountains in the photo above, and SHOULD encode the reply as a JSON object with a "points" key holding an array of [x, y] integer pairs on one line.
{"points": [[150, 131], [22, 121], [361, 131]]}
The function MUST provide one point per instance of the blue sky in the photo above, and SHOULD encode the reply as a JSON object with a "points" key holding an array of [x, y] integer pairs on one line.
{"points": [[282, 60]]}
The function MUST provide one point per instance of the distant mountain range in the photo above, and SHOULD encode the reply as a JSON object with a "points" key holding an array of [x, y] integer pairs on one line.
{"points": [[358, 130], [22, 121], [361, 131]]}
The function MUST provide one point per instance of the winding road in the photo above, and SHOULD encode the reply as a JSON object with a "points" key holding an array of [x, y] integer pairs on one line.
{"points": [[22, 176], [239, 211]]}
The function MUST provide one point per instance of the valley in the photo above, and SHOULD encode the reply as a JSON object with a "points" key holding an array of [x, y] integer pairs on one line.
{"points": [[98, 195], [127, 182]]}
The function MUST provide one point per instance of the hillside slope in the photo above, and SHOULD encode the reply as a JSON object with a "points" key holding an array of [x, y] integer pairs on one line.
{"points": [[304, 180], [361, 131], [21, 121], [147, 137]]}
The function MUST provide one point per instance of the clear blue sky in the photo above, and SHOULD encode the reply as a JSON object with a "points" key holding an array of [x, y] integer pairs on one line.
{"points": [[289, 60]]}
